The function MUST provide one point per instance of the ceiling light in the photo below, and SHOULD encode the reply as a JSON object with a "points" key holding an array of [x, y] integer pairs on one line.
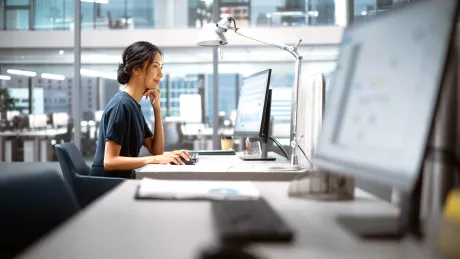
{"points": [[53, 76], [5, 77], [61, 52], [21, 72], [93, 73], [96, 1]]}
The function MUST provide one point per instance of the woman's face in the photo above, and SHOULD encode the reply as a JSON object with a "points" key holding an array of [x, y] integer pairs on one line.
{"points": [[153, 72]]}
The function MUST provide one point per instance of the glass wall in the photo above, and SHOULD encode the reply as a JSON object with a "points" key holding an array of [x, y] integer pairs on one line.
{"points": [[140, 14], [366, 9], [36, 84], [37, 113], [54, 14], [183, 115], [15, 14], [268, 13]]}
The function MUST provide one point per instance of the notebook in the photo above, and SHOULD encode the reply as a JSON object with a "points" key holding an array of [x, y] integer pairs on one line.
{"points": [[195, 190]]}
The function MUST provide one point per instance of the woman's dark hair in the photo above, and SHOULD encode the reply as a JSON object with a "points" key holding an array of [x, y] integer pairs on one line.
{"points": [[135, 56]]}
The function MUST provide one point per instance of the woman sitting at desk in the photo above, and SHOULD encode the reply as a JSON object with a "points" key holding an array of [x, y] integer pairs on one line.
{"points": [[123, 129]]}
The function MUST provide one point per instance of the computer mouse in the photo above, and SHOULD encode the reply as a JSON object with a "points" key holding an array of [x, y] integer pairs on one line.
{"points": [[191, 162], [226, 252]]}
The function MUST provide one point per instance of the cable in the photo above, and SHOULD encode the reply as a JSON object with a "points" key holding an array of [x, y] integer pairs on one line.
{"points": [[234, 22], [279, 145], [305, 155], [285, 154]]}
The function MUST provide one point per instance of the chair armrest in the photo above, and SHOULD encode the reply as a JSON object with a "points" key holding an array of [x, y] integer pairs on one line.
{"points": [[90, 188]]}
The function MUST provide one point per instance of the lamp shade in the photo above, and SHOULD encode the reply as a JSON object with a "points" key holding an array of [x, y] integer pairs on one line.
{"points": [[211, 36]]}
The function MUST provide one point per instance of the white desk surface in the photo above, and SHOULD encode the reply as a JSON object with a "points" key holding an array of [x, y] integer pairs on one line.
{"points": [[224, 167], [118, 226]]}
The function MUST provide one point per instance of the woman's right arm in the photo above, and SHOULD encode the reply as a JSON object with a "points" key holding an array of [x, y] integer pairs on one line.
{"points": [[114, 162]]}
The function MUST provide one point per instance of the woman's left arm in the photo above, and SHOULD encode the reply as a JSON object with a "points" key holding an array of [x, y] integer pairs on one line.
{"points": [[156, 144]]}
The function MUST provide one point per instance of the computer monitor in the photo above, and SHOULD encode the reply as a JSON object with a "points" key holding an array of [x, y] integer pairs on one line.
{"points": [[60, 119], [38, 121], [11, 114], [190, 108], [253, 112], [383, 98]]}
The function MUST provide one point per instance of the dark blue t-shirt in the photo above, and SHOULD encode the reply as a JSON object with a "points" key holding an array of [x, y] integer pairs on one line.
{"points": [[123, 123]]}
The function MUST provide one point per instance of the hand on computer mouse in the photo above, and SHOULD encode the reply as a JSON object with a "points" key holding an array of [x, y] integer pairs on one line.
{"points": [[184, 162], [164, 159], [176, 159], [183, 153]]}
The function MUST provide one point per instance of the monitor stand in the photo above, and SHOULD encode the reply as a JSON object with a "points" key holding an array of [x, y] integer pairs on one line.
{"points": [[388, 227], [265, 132]]}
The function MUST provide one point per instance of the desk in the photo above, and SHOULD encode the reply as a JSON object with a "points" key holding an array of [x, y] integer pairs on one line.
{"points": [[33, 147], [229, 168], [117, 226]]}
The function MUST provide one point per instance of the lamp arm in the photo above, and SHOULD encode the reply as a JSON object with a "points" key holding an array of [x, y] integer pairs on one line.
{"points": [[276, 45], [289, 48]]}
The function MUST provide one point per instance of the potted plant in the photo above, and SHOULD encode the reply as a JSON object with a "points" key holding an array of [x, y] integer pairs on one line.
{"points": [[6, 102]]}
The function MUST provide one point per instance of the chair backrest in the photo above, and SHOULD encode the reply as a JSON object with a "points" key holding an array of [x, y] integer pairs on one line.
{"points": [[32, 203], [73, 158], [86, 188]]}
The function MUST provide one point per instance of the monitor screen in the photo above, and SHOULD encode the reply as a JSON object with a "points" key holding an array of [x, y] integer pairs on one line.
{"points": [[11, 114], [38, 120], [252, 102], [60, 119], [384, 93], [190, 108]]}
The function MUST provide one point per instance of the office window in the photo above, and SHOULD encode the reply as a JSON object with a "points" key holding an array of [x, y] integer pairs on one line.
{"points": [[227, 99], [17, 19], [53, 14], [141, 13], [17, 2], [199, 13], [88, 15], [263, 13], [281, 97], [2, 14], [365, 9]]}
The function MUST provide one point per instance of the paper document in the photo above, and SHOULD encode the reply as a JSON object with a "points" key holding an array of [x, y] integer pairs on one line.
{"points": [[208, 190]]}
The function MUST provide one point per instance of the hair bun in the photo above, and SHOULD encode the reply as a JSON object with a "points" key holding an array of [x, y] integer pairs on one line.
{"points": [[122, 76]]}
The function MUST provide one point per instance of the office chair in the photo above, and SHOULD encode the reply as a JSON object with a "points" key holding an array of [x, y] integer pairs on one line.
{"points": [[32, 204], [76, 173]]}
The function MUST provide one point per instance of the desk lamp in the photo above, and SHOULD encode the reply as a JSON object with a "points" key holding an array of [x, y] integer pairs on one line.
{"points": [[212, 35]]}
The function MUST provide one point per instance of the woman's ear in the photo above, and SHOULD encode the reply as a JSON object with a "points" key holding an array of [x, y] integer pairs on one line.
{"points": [[136, 71]]}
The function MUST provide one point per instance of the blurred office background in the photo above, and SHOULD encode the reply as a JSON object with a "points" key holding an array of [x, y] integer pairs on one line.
{"points": [[37, 69]]}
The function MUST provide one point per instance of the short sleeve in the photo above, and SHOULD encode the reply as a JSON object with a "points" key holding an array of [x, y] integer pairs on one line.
{"points": [[117, 125], [147, 132]]}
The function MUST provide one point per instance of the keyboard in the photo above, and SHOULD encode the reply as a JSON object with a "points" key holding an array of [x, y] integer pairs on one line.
{"points": [[245, 221], [214, 152], [194, 157]]}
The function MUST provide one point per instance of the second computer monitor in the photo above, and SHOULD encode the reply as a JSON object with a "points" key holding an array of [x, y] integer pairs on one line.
{"points": [[384, 93], [253, 105], [383, 99]]}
